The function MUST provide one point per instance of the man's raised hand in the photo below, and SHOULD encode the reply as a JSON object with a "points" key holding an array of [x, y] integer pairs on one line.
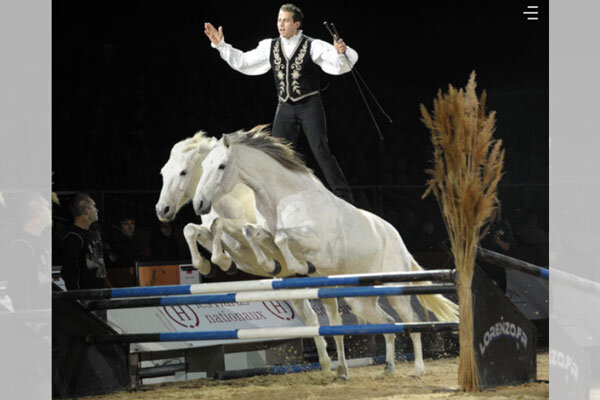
{"points": [[215, 36], [339, 44]]}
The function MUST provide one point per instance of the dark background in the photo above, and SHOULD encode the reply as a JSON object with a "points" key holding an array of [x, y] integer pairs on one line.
{"points": [[131, 78]]}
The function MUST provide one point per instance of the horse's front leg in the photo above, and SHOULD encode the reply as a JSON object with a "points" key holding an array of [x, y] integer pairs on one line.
{"points": [[259, 238], [218, 255], [194, 234]]}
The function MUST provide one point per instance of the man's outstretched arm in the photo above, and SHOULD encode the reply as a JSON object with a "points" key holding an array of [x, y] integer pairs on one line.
{"points": [[253, 62]]}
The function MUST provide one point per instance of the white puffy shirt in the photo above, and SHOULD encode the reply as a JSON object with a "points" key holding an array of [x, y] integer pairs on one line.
{"points": [[256, 62]]}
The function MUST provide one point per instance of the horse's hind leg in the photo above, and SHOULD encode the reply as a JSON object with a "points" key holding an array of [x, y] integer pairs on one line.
{"points": [[402, 306], [333, 312], [368, 309], [310, 318]]}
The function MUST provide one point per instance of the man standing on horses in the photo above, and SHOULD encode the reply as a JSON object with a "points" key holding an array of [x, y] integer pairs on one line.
{"points": [[297, 83]]}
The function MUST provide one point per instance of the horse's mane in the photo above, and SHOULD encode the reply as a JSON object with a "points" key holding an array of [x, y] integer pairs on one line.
{"points": [[278, 148], [189, 144]]}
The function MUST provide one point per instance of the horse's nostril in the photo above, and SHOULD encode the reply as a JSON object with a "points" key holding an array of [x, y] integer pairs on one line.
{"points": [[201, 204], [167, 209]]}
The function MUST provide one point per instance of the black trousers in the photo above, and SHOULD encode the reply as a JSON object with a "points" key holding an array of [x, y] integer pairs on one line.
{"points": [[309, 114]]}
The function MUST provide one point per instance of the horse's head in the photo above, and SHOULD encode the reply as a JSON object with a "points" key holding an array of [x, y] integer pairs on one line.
{"points": [[181, 174], [219, 176]]}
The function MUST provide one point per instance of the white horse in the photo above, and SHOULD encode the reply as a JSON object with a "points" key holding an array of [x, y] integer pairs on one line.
{"points": [[316, 231], [222, 228]]}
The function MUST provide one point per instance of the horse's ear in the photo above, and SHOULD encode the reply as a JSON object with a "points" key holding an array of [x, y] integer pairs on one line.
{"points": [[208, 146], [226, 141]]}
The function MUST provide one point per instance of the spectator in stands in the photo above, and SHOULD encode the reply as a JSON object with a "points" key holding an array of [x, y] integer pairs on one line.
{"points": [[29, 272], [82, 251], [59, 230], [163, 246], [533, 239], [124, 249], [496, 235], [96, 227], [427, 238]]}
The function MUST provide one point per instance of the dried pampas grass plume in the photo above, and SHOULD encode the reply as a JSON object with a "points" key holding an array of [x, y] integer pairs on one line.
{"points": [[466, 168]]}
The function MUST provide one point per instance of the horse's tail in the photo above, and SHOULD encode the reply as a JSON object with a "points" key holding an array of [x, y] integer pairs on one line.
{"points": [[441, 307]]}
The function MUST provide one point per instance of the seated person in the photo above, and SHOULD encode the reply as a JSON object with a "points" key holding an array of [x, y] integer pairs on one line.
{"points": [[163, 245], [124, 249]]}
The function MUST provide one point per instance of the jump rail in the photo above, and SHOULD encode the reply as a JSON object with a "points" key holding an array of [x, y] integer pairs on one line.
{"points": [[443, 275], [503, 261], [276, 333], [285, 294]]}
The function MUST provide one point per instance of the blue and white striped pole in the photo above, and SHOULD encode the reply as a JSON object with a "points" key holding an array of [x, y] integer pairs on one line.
{"points": [[445, 275], [284, 294], [277, 333]]}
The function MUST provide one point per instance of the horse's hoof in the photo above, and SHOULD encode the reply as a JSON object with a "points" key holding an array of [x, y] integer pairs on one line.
{"points": [[222, 260], [311, 268], [327, 374], [232, 269], [197, 265], [389, 369], [416, 373], [342, 373], [211, 273], [277, 269]]}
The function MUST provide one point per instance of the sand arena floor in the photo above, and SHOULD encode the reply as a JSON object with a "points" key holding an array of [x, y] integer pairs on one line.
{"points": [[438, 382]]}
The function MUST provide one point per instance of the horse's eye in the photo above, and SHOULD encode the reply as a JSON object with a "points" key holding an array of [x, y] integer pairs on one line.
{"points": [[183, 173], [222, 166]]}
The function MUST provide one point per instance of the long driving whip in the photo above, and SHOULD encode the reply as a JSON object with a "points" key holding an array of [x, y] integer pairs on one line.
{"points": [[356, 75]]}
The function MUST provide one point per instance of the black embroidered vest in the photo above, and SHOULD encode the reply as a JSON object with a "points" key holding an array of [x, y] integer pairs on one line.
{"points": [[296, 77]]}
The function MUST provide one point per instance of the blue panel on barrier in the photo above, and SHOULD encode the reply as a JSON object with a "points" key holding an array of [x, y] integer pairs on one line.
{"points": [[358, 291], [289, 369], [295, 283], [150, 291], [190, 336], [360, 329], [545, 273], [199, 299]]}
